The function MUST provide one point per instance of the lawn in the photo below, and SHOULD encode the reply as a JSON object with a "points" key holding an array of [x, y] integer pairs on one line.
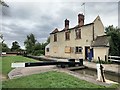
{"points": [[7, 60], [52, 79]]}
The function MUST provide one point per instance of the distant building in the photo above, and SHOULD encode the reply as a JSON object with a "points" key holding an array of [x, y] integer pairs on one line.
{"points": [[87, 41]]}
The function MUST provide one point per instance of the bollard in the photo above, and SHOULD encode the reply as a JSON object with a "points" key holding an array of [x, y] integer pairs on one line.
{"points": [[99, 76]]}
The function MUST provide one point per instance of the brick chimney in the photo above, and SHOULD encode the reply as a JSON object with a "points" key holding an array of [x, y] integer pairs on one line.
{"points": [[66, 24], [80, 19]]}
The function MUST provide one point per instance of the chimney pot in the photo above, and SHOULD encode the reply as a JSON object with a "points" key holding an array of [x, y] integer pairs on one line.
{"points": [[80, 19], [66, 24]]}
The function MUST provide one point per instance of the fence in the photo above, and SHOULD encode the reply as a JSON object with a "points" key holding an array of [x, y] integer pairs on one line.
{"points": [[114, 59]]}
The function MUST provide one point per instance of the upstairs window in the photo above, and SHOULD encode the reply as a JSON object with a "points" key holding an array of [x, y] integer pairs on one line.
{"points": [[67, 35], [78, 50], [55, 37], [78, 33]]}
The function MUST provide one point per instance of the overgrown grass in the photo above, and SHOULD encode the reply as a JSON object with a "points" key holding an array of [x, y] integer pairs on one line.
{"points": [[51, 79], [7, 60]]}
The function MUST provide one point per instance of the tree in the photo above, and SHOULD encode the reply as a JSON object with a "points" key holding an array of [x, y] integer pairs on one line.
{"points": [[114, 41], [38, 49], [15, 46], [4, 47], [30, 43], [3, 3]]}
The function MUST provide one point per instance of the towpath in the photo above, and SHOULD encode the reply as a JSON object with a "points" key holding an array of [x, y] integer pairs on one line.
{"points": [[107, 67]]}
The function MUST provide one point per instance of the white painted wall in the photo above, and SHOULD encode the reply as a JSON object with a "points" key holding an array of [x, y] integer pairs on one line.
{"points": [[57, 49], [100, 52]]}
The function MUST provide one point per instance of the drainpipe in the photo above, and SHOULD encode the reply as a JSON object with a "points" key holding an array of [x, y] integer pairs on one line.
{"points": [[93, 33]]}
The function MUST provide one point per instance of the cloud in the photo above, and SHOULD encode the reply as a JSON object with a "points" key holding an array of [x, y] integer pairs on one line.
{"points": [[41, 18]]}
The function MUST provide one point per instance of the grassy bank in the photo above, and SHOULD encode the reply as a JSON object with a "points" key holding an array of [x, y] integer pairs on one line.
{"points": [[51, 79], [6, 61]]}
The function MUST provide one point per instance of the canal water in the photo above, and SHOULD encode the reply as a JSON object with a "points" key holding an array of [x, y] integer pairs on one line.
{"points": [[92, 72]]}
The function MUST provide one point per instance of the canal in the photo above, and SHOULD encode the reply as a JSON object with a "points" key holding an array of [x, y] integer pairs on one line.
{"points": [[92, 72]]}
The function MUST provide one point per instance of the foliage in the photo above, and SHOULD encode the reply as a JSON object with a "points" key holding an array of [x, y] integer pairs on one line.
{"points": [[4, 47], [114, 32], [51, 79], [33, 47], [7, 60], [30, 43], [3, 3], [15, 46]]}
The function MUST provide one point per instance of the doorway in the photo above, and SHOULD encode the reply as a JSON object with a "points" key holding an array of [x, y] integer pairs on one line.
{"points": [[88, 53]]}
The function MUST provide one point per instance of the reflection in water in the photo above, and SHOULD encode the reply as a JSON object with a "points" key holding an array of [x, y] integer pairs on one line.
{"points": [[92, 72]]}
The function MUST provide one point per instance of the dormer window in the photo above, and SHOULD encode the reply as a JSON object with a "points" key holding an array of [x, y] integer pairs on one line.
{"points": [[67, 35], [55, 37], [78, 33]]}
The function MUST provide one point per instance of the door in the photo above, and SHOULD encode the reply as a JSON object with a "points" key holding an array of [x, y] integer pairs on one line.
{"points": [[88, 53]]}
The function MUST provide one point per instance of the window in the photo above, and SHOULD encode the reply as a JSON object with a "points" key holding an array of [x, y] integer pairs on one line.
{"points": [[55, 37], [78, 50], [67, 35], [47, 49], [78, 33], [67, 49]]}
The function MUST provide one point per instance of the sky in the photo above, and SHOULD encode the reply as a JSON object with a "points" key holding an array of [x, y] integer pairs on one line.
{"points": [[41, 17]]}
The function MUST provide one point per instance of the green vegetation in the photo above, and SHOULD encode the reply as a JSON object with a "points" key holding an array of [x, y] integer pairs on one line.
{"points": [[7, 60], [4, 47], [15, 46], [33, 47], [114, 33], [51, 79]]}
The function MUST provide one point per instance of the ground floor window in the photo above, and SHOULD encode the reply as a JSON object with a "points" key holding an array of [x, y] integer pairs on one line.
{"points": [[67, 49], [78, 50], [47, 49]]}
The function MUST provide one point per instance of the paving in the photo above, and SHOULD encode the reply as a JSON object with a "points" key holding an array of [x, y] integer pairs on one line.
{"points": [[24, 71], [107, 67]]}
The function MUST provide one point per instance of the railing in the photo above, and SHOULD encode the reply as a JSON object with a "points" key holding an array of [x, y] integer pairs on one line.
{"points": [[114, 58]]}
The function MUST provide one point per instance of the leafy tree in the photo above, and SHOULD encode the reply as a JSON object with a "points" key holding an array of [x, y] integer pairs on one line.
{"points": [[3, 3], [38, 49], [15, 46], [114, 32], [30, 43], [4, 47]]}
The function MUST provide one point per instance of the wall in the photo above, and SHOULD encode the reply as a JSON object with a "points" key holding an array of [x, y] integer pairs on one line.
{"points": [[98, 27], [57, 49], [101, 52]]}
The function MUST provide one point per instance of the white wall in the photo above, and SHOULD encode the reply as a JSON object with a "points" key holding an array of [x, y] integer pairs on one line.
{"points": [[100, 52]]}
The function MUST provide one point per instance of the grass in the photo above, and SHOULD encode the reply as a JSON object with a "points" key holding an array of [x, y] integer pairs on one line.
{"points": [[7, 60], [51, 79]]}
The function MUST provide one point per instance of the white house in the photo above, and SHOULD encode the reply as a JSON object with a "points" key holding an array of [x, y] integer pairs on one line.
{"points": [[87, 41]]}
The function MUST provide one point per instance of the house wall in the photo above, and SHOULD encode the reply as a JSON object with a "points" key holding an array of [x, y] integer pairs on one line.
{"points": [[57, 49], [98, 27], [100, 52]]}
